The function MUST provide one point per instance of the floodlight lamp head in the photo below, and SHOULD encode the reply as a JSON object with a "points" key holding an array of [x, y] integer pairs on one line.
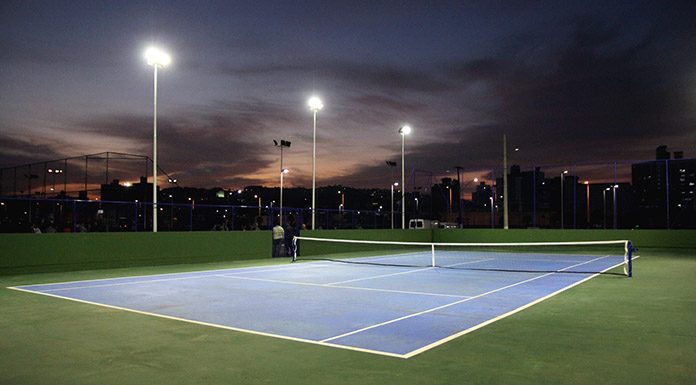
{"points": [[405, 130], [565, 171], [157, 58], [285, 171], [315, 104]]}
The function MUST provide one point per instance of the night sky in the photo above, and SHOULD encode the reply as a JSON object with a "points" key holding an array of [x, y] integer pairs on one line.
{"points": [[568, 82]]}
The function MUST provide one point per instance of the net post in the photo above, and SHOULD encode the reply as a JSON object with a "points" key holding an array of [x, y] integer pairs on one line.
{"points": [[628, 267], [432, 254], [294, 249]]}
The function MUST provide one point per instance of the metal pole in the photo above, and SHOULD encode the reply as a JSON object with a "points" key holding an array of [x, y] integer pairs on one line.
{"points": [[281, 188], [587, 188], [314, 168], [403, 183], [562, 225], [604, 208], [505, 184], [65, 177], [154, 157], [615, 211], [392, 206], [575, 191], [667, 189]]}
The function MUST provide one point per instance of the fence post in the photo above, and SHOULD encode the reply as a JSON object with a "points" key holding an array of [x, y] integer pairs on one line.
{"points": [[74, 216]]}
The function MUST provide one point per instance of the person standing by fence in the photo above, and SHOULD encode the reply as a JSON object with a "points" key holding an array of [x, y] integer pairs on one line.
{"points": [[278, 238]]}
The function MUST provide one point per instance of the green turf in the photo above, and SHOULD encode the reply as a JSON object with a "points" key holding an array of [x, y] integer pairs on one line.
{"points": [[609, 330]]}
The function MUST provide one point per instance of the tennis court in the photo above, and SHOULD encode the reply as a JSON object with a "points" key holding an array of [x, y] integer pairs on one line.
{"points": [[395, 304]]}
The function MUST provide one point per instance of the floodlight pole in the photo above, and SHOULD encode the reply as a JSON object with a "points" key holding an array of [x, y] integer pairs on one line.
{"points": [[314, 171], [156, 58], [403, 183], [281, 144], [154, 156], [562, 213], [315, 105], [405, 130], [282, 171], [391, 211]]}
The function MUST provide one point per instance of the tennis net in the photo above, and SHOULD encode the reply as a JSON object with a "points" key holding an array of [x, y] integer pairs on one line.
{"points": [[604, 257]]}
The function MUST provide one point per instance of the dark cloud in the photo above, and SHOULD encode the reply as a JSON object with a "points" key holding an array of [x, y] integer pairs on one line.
{"points": [[20, 151], [351, 74]]}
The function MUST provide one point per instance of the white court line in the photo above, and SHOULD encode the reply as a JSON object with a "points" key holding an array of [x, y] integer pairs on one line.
{"points": [[380, 276], [451, 304], [511, 312], [185, 275], [320, 343], [343, 287], [256, 332]]}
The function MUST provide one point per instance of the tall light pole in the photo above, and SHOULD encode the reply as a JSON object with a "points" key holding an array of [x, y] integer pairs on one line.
{"points": [[562, 177], [604, 207], [315, 105], [403, 131], [156, 58], [587, 199], [392, 204], [616, 217], [257, 196], [281, 144], [282, 172]]}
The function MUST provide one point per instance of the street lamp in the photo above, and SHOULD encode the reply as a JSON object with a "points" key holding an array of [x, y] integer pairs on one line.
{"points": [[616, 217], [314, 105], [282, 172], [156, 58], [342, 205], [562, 175], [259, 198], [392, 203], [403, 131], [604, 207]]}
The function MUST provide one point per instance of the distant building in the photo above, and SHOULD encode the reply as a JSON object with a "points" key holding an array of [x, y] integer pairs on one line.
{"points": [[664, 190], [117, 192]]}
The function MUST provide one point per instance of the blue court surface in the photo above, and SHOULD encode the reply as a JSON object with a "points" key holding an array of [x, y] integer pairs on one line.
{"points": [[388, 310]]}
